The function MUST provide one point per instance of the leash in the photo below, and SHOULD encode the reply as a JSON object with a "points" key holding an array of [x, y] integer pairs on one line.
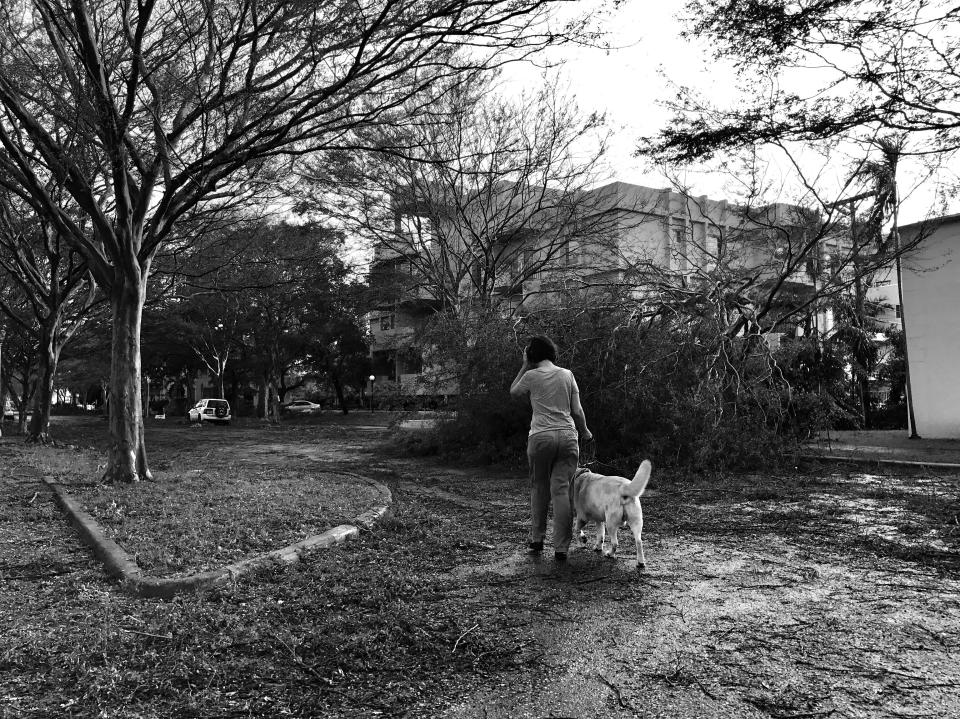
{"points": [[588, 456], [588, 452]]}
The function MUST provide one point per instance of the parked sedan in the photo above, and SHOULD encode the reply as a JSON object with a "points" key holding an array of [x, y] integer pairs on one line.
{"points": [[210, 410], [302, 406]]}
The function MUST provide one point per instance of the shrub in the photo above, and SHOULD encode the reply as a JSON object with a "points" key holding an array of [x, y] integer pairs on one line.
{"points": [[679, 393]]}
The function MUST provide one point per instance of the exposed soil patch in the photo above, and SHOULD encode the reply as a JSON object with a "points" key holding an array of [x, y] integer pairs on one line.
{"points": [[807, 595], [818, 594]]}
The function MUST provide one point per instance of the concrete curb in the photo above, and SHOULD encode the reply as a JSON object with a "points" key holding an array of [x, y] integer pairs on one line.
{"points": [[367, 519], [117, 562], [121, 565], [877, 460]]}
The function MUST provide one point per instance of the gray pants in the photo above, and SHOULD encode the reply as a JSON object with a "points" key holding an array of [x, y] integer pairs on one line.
{"points": [[553, 457]]}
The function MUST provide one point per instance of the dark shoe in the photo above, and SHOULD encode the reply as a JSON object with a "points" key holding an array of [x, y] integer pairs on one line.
{"points": [[534, 547], [560, 556]]}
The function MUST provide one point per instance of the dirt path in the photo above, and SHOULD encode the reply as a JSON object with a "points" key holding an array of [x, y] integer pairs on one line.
{"points": [[821, 594], [754, 613]]}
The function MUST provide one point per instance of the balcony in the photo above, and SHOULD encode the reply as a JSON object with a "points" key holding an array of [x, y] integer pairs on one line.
{"points": [[382, 253], [413, 298], [391, 332], [396, 336]]}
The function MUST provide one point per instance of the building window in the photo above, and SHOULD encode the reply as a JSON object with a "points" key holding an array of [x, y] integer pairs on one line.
{"points": [[514, 265], [679, 249], [529, 264], [713, 244], [418, 231], [386, 322], [679, 239], [899, 314]]}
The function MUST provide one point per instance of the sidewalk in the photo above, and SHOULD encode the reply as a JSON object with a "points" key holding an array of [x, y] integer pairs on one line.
{"points": [[886, 447]]}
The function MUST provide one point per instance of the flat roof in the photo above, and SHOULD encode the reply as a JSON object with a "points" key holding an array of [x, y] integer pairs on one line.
{"points": [[945, 220]]}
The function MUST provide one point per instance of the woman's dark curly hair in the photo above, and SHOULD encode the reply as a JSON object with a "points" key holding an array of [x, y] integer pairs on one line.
{"points": [[541, 348]]}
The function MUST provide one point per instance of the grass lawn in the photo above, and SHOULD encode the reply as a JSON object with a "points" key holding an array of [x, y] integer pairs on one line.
{"points": [[219, 494], [362, 630], [827, 592]]}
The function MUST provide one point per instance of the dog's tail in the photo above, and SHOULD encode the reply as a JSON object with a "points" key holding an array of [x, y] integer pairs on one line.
{"points": [[638, 486]]}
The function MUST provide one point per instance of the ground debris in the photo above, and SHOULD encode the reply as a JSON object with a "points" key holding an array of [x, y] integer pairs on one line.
{"points": [[770, 596]]}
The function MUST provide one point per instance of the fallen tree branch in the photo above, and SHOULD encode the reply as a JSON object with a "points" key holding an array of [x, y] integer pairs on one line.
{"points": [[616, 691], [457, 643]]}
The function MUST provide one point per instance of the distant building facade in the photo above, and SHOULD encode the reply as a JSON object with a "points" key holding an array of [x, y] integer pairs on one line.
{"points": [[641, 229]]}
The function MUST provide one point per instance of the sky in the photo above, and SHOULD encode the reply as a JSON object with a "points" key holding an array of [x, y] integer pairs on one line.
{"points": [[648, 57], [627, 81]]}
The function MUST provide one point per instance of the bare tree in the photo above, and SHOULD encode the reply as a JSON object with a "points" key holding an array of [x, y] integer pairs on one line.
{"points": [[19, 356], [182, 103], [472, 213], [763, 269], [473, 204], [53, 280]]}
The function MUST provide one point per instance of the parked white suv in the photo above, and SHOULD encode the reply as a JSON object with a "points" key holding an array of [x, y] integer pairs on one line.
{"points": [[210, 410]]}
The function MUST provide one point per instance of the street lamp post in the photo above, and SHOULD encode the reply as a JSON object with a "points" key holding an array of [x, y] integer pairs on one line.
{"points": [[372, 378]]}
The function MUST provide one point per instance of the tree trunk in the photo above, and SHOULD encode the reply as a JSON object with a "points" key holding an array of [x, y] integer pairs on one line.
{"points": [[145, 400], [23, 403], [338, 390], [24, 397], [47, 356], [864, 391], [3, 387], [274, 401], [234, 393], [861, 382], [262, 398], [127, 456]]}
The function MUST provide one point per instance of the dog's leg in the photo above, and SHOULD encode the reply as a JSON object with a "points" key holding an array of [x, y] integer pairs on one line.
{"points": [[637, 531], [636, 526], [613, 524], [578, 524], [598, 547]]}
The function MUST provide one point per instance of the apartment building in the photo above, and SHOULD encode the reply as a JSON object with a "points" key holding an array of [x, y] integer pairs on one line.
{"points": [[402, 304], [619, 233]]}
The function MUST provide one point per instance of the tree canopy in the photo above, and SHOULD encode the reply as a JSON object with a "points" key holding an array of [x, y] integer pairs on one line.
{"points": [[148, 113], [822, 69]]}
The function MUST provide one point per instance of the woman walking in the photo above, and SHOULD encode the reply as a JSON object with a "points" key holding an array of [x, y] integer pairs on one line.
{"points": [[552, 447]]}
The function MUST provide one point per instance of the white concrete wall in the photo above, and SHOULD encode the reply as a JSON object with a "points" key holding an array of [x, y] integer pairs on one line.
{"points": [[931, 303]]}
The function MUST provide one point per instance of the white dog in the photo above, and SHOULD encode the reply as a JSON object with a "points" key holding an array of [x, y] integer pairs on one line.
{"points": [[609, 501]]}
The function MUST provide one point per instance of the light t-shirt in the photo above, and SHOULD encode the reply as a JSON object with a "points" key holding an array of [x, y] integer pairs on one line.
{"points": [[551, 390]]}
